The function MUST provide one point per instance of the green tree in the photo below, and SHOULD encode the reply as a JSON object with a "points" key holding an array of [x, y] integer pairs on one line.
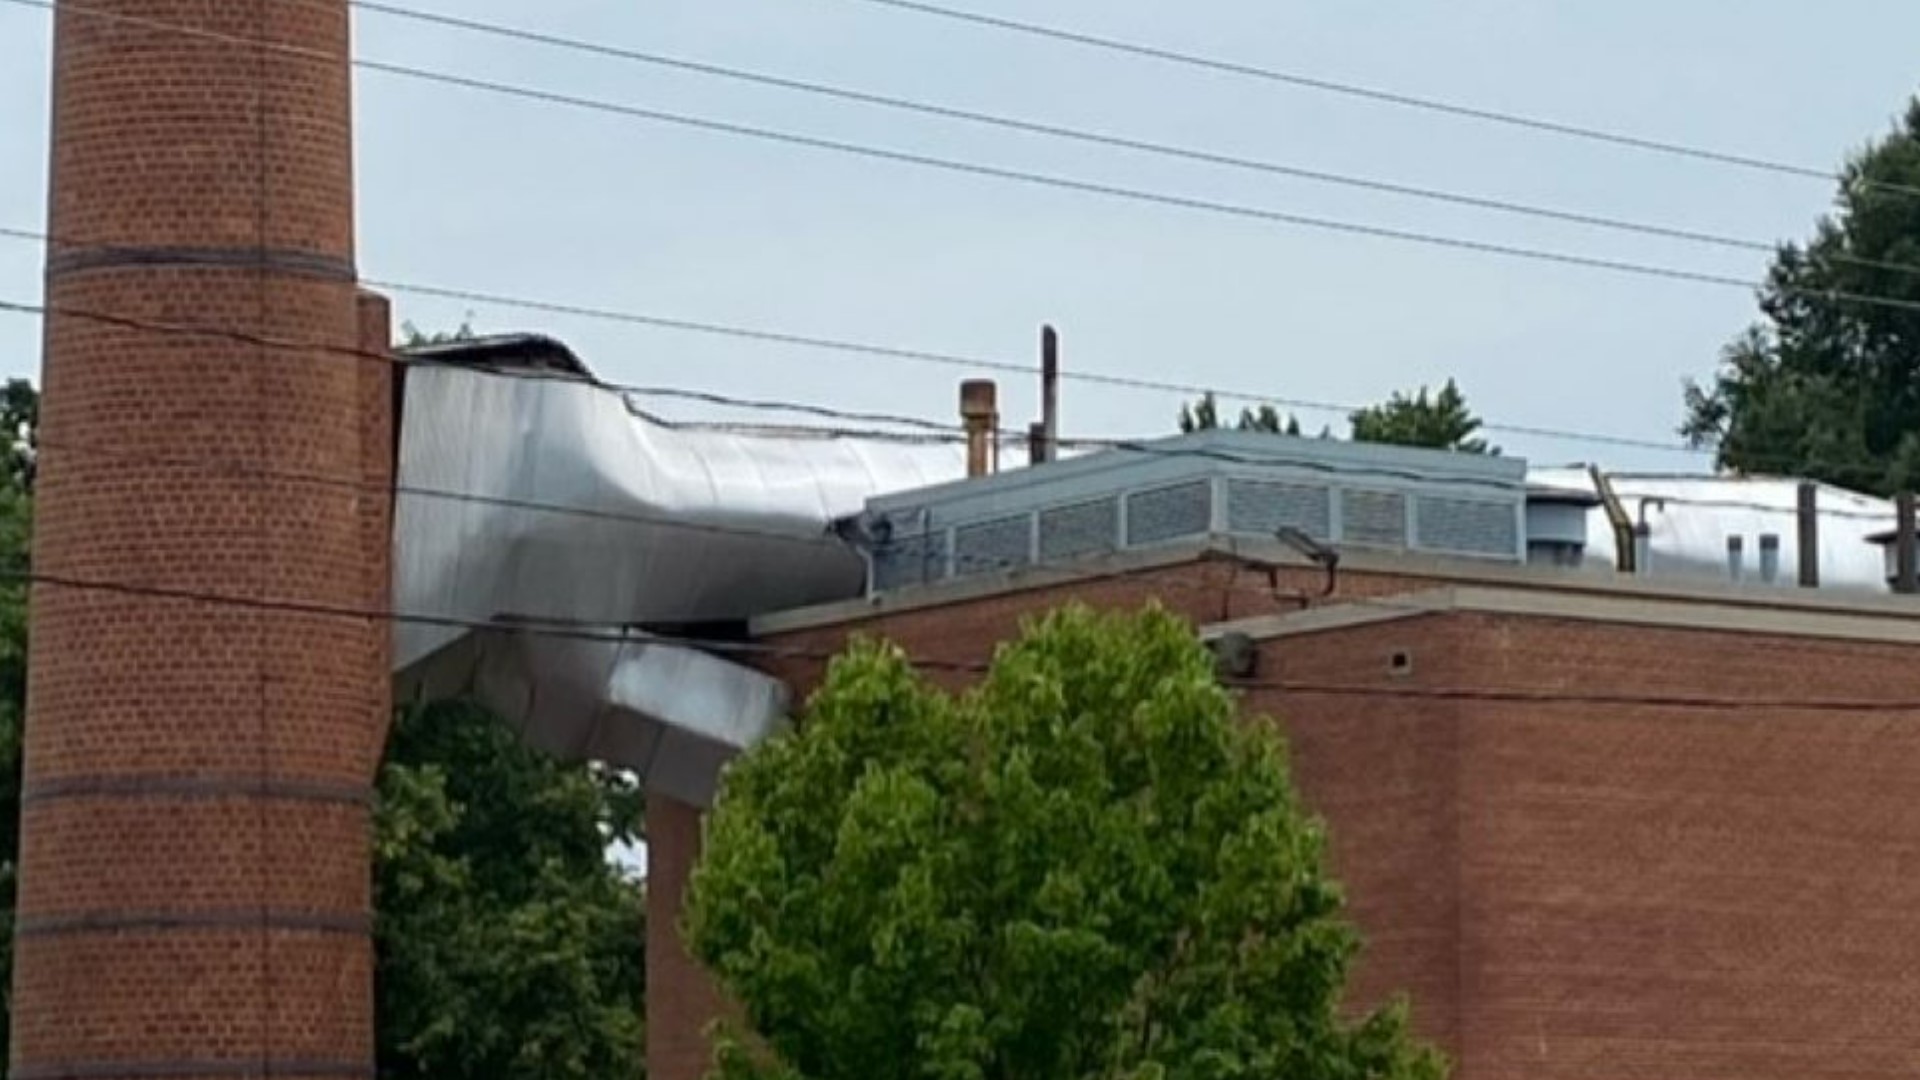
{"points": [[508, 946], [1440, 422], [20, 415], [1204, 415], [1824, 385], [1084, 868]]}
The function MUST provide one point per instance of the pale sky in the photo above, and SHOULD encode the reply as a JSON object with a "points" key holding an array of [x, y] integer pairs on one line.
{"points": [[468, 190]]}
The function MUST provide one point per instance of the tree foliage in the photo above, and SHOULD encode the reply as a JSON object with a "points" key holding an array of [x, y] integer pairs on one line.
{"points": [[1204, 415], [19, 414], [1441, 421], [1085, 867], [507, 945], [1824, 385]]}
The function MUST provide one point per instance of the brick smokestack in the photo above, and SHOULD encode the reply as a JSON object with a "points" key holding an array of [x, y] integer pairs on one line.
{"points": [[194, 889]]}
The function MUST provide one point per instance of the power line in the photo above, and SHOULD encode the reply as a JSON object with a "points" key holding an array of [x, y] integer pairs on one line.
{"points": [[1387, 97], [1097, 138], [641, 636], [724, 400], [1062, 183], [1145, 448], [1063, 575], [828, 344], [934, 433]]}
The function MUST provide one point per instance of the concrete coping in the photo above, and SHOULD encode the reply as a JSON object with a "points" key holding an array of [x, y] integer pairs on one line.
{"points": [[1678, 611], [1459, 584]]}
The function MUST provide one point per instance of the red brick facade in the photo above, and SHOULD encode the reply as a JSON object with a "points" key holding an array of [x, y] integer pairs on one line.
{"points": [[1567, 889], [194, 896]]}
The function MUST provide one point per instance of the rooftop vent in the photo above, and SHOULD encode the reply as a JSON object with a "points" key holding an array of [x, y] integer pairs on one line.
{"points": [[1186, 489]]}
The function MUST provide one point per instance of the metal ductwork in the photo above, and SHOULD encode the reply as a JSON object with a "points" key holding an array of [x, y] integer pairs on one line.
{"points": [[544, 525]]}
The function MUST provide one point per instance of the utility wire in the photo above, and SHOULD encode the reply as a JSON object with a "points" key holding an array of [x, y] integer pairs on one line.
{"points": [[926, 161], [851, 347], [1386, 97], [933, 432], [633, 636], [926, 430], [1054, 575], [321, 349], [1098, 138]]}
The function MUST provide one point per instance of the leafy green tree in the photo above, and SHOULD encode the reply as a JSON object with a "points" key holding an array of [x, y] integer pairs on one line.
{"points": [[19, 414], [1085, 868], [1826, 385], [1204, 415], [508, 946], [1440, 422]]}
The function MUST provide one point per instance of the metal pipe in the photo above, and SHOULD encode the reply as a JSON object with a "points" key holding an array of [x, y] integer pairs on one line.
{"points": [[1050, 392], [980, 414], [1809, 524], [1623, 537]]}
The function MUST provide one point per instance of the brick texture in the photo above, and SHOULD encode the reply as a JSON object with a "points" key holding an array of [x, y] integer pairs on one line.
{"points": [[681, 999], [194, 891], [1564, 890]]}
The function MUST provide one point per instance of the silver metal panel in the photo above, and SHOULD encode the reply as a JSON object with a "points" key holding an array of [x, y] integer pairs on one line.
{"points": [[671, 715], [572, 506], [554, 500]]}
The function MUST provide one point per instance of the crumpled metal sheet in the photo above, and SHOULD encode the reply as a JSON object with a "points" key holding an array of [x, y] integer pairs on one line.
{"points": [[551, 501], [672, 715]]}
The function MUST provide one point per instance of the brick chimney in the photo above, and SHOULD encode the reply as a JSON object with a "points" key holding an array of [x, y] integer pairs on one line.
{"points": [[194, 888]]}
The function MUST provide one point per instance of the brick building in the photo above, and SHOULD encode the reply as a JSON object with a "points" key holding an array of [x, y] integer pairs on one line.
{"points": [[1593, 825]]}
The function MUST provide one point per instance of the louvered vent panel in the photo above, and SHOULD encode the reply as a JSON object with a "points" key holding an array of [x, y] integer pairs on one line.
{"points": [[1088, 528], [910, 561], [987, 546], [1169, 513], [1374, 518], [1261, 507], [1467, 526]]}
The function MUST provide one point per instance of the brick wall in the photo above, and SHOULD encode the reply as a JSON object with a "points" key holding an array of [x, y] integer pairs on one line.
{"points": [[194, 881], [1576, 890]]}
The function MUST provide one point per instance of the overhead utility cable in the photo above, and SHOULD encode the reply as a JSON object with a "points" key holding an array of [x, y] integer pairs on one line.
{"points": [[952, 360], [1098, 138], [1385, 97], [924, 430], [1062, 183], [637, 636]]}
